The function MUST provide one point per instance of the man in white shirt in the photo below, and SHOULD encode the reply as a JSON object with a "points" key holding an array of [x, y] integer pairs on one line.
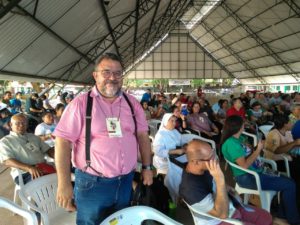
{"points": [[22, 150]]}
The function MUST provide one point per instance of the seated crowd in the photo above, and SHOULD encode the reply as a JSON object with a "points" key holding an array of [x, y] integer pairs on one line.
{"points": [[26, 134], [27, 138], [224, 123]]}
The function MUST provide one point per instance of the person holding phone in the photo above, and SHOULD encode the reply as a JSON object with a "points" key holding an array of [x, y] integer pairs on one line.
{"points": [[234, 151]]}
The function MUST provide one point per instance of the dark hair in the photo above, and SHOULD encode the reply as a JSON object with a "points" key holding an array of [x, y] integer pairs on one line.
{"points": [[235, 99], [255, 104], [232, 125], [18, 93], [108, 55], [35, 95], [7, 92], [221, 102], [173, 107], [194, 103], [48, 111], [280, 120], [59, 106]]}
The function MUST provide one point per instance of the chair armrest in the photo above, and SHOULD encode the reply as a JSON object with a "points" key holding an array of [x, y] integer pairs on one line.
{"points": [[229, 220], [247, 171], [270, 162]]}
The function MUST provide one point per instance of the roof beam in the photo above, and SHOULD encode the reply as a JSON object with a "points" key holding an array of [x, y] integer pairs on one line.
{"points": [[247, 21], [34, 77], [174, 12], [233, 53], [4, 9], [105, 42], [258, 40], [293, 6], [211, 56], [136, 26], [151, 24], [257, 32], [108, 25], [55, 34]]}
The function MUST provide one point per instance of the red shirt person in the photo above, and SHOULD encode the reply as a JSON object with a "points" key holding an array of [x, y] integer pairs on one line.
{"points": [[236, 109]]}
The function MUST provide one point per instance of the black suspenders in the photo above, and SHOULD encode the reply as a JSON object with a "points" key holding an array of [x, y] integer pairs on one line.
{"points": [[88, 121]]}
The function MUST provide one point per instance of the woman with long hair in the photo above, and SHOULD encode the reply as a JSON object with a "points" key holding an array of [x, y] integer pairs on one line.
{"points": [[236, 152]]}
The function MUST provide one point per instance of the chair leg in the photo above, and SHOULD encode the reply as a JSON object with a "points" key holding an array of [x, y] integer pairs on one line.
{"points": [[246, 198], [265, 200]]}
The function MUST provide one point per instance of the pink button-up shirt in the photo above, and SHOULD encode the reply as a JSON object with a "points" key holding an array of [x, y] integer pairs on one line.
{"points": [[111, 156]]}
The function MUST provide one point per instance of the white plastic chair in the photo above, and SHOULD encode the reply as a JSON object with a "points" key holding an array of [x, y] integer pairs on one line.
{"points": [[265, 129], [29, 216], [255, 139], [205, 216], [39, 195], [285, 159], [154, 126], [266, 196], [135, 215], [173, 177]]}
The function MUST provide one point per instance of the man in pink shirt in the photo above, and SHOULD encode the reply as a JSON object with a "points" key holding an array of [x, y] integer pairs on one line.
{"points": [[104, 185]]}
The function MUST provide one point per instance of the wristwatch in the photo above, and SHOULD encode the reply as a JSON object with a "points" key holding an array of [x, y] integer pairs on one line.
{"points": [[147, 167]]}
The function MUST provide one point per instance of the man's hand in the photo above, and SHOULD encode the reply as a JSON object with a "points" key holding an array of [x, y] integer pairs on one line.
{"points": [[34, 172], [64, 197], [147, 177], [214, 169]]}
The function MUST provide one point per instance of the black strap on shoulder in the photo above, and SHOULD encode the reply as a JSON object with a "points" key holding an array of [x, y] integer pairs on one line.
{"points": [[88, 121], [133, 115]]}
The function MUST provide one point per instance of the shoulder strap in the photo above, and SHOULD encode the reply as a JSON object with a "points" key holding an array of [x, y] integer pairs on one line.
{"points": [[132, 112], [88, 120]]}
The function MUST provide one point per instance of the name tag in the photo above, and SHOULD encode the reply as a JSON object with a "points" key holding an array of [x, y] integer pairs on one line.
{"points": [[113, 126], [31, 147]]}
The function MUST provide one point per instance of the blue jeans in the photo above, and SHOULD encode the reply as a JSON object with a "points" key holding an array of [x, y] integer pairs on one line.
{"points": [[283, 184], [98, 197]]}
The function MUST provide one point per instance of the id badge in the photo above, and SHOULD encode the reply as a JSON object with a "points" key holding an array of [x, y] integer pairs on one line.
{"points": [[113, 127], [31, 147]]}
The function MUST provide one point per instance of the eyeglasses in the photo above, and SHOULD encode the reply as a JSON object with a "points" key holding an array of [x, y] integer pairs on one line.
{"points": [[18, 123], [107, 73], [213, 156]]}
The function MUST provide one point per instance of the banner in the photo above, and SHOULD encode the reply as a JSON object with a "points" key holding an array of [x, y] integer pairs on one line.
{"points": [[179, 82]]}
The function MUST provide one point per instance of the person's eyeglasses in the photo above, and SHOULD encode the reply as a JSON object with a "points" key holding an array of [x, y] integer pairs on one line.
{"points": [[20, 123], [213, 156], [107, 73]]}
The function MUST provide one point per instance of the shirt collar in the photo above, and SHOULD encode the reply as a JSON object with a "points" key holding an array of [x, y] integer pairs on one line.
{"points": [[17, 135]]}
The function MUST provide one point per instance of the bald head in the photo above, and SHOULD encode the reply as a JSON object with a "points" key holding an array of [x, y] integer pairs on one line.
{"points": [[198, 150], [19, 123]]}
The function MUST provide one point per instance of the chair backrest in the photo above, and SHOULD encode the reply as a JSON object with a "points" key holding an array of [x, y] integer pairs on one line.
{"points": [[39, 194], [265, 129], [135, 215], [173, 177], [154, 126], [186, 138], [205, 216], [28, 215], [255, 139], [247, 171]]}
